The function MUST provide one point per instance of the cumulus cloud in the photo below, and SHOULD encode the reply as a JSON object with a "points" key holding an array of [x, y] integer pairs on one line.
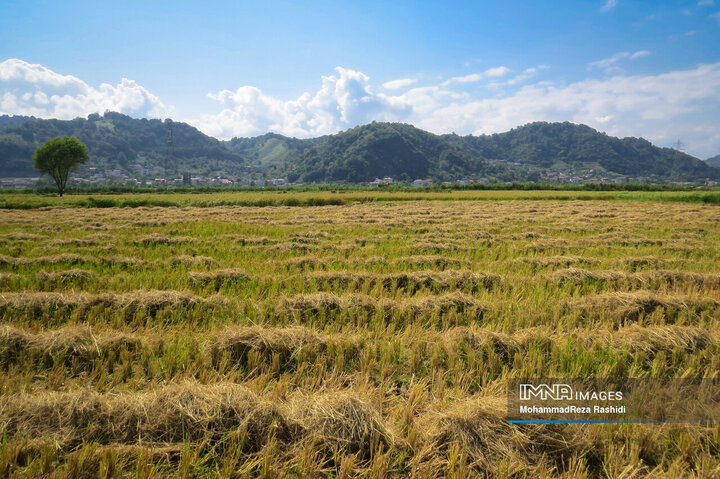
{"points": [[31, 89], [399, 84], [679, 104], [658, 107], [344, 100], [497, 71]]}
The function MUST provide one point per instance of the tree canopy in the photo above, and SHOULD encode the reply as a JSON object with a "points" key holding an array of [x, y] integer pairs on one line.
{"points": [[58, 157]]}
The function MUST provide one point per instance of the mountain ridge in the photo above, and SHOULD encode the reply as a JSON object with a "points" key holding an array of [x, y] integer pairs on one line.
{"points": [[537, 151]]}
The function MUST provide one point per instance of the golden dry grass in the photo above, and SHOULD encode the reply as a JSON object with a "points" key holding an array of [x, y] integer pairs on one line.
{"points": [[358, 340], [193, 261], [75, 343], [631, 307], [79, 305], [476, 430], [59, 279], [449, 279], [546, 261], [431, 261], [158, 239], [219, 277], [308, 305]]}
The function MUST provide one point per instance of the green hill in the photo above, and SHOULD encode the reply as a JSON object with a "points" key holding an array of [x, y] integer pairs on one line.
{"points": [[547, 145], [388, 149], [271, 153], [117, 141], [532, 152]]}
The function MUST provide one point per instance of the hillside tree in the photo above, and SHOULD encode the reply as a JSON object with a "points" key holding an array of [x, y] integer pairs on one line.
{"points": [[58, 157]]}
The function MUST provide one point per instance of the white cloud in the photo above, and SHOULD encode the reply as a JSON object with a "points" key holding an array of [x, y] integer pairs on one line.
{"points": [[659, 107], [662, 107], [527, 74], [716, 17], [399, 84], [639, 54], [681, 104], [610, 64], [609, 5], [476, 77], [14, 70], [31, 89], [497, 72], [9, 102], [705, 3], [343, 101], [471, 78]]}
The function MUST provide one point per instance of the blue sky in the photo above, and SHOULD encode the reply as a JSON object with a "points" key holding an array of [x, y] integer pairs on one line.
{"points": [[637, 68]]}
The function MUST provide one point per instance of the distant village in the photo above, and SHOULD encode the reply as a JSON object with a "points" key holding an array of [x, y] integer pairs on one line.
{"points": [[97, 177], [151, 177]]}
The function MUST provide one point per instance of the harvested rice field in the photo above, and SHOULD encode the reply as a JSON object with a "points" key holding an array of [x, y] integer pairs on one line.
{"points": [[358, 339]]}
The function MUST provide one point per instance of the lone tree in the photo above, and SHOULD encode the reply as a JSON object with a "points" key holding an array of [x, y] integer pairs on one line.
{"points": [[58, 157]]}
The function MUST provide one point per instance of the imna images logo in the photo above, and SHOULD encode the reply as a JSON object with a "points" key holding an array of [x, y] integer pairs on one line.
{"points": [[560, 392], [555, 392]]}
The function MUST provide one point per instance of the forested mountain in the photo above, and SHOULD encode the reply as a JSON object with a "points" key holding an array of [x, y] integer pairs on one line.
{"points": [[537, 151], [387, 149], [524, 153], [566, 145], [714, 161], [117, 141]]}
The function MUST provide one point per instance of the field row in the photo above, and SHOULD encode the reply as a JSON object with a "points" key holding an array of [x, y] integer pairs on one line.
{"points": [[344, 431], [139, 308], [235, 280], [227, 348]]}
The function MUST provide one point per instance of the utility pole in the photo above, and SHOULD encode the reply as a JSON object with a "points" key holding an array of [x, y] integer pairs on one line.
{"points": [[678, 145], [170, 166]]}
